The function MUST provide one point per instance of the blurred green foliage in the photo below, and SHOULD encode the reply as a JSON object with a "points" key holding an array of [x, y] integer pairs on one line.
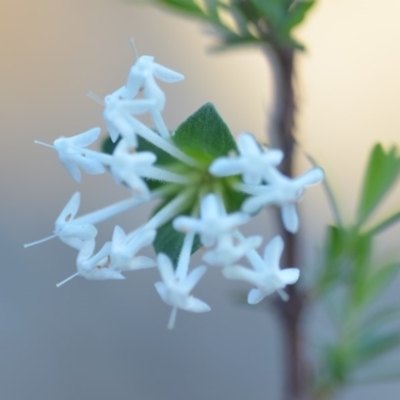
{"points": [[242, 22]]}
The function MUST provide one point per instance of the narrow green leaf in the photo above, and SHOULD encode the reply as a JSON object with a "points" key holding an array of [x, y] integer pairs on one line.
{"points": [[372, 346], [297, 13], [187, 6], [386, 223], [378, 281], [274, 11], [204, 135], [381, 317], [382, 170]]}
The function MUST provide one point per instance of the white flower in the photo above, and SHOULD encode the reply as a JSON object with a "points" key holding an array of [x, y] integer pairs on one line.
{"points": [[72, 233], [93, 267], [118, 115], [124, 249], [141, 76], [266, 275], [284, 192], [96, 267], [214, 221], [176, 292], [127, 166], [227, 252], [253, 162], [72, 155]]}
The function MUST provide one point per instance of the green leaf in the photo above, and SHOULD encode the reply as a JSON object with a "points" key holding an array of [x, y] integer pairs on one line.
{"points": [[204, 135], [273, 10], [108, 146], [372, 346], [297, 13], [382, 171], [378, 281], [187, 6], [382, 316], [169, 241]]}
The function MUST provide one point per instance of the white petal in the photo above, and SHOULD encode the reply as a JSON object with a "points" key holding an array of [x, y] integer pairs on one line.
{"points": [[134, 82], [289, 275], [102, 274], [165, 74], [193, 278], [255, 296], [161, 290], [153, 92], [71, 168], [248, 145], [243, 274], [69, 211], [273, 252], [290, 218], [140, 262], [311, 177], [166, 269], [226, 166], [196, 305], [86, 138]]}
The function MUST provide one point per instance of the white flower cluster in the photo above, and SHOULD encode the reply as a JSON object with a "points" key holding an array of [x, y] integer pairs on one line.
{"points": [[208, 220]]}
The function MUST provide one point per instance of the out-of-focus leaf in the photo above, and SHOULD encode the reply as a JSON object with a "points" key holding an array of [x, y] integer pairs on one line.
{"points": [[381, 317], [386, 223], [382, 170], [346, 258], [273, 10], [372, 346], [297, 13], [187, 6], [376, 282]]}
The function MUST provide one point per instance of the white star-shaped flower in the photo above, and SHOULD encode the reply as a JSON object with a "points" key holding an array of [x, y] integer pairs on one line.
{"points": [[72, 154], [176, 291], [127, 166], [214, 222], [94, 266], [227, 252], [266, 275], [124, 249], [141, 77], [253, 162], [72, 233], [118, 115], [283, 192]]}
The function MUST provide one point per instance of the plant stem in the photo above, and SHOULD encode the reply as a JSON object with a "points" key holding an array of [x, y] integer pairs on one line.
{"points": [[282, 136]]}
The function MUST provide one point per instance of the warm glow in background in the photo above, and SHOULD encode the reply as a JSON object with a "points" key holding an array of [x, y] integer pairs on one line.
{"points": [[107, 340]]}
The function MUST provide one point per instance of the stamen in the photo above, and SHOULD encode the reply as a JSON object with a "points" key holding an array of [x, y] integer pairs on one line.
{"points": [[132, 42], [68, 279], [172, 318], [40, 241], [96, 98], [43, 144]]}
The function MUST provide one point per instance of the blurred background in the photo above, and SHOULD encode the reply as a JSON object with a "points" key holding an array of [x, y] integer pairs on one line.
{"points": [[108, 340]]}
